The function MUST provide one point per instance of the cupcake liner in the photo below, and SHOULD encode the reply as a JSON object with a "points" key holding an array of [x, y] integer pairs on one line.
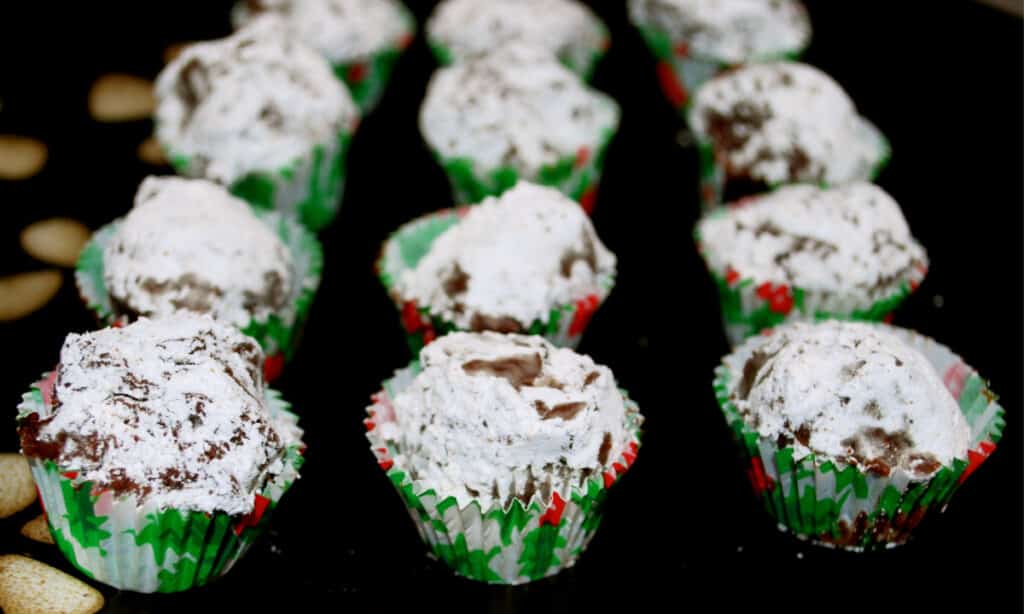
{"points": [[368, 78], [681, 72], [144, 548], [751, 306], [836, 505], [403, 250], [522, 543], [309, 189], [580, 59], [713, 178], [575, 176], [277, 334]]}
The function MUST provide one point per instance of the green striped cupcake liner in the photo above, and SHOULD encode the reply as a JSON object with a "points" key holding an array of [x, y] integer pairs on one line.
{"points": [[309, 189], [143, 548], [832, 504], [575, 176], [277, 334], [501, 545], [403, 250], [368, 78]]}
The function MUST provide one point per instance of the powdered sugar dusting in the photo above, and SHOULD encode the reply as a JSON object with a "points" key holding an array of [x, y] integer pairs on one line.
{"points": [[850, 240], [785, 122], [343, 31], [565, 28], [850, 392], [511, 257], [516, 107], [494, 417], [255, 101], [730, 31], [169, 411], [189, 244]]}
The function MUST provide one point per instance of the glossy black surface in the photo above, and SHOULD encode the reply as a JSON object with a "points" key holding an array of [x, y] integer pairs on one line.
{"points": [[942, 80]]}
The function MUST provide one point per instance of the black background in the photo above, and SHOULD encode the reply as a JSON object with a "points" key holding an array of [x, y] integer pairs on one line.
{"points": [[941, 79]]}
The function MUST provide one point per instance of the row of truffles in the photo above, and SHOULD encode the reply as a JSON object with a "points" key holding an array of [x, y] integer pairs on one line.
{"points": [[270, 111]]}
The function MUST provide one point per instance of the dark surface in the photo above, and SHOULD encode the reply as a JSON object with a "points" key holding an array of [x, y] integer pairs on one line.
{"points": [[943, 83]]}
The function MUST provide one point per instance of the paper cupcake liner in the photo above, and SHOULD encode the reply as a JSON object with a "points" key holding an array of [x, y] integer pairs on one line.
{"points": [[581, 59], [367, 79], [713, 178], [144, 548], [522, 543], [836, 505], [277, 334], [402, 251], [681, 72], [751, 306], [309, 189], [576, 176]]}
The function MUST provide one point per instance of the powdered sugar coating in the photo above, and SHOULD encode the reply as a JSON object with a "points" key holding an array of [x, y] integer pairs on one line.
{"points": [[189, 244], [785, 122], [565, 28], [851, 240], [254, 101], [730, 31], [168, 411], [515, 256], [344, 31], [516, 107], [849, 392], [492, 417]]}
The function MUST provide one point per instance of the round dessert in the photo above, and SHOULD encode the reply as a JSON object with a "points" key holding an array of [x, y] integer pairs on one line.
{"points": [[462, 29], [503, 447], [764, 125], [807, 253], [516, 113], [855, 430], [262, 114], [362, 39], [527, 261], [147, 428], [189, 245], [694, 40]]}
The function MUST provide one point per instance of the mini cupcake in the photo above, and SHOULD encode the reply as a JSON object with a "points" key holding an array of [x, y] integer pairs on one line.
{"points": [[189, 245], [528, 261], [158, 452], [362, 39], [513, 114], [807, 253], [463, 29], [693, 40], [262, 114], [854, 431], [503, 448], [766, 125]]}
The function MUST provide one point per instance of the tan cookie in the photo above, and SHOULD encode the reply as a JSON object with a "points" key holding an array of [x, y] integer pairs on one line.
{"points": [[120, 98], [24, 293], [174, 50], [38, 530], [20, 157], [31, 587], [150, 152], [17, 490], [57, 240]]}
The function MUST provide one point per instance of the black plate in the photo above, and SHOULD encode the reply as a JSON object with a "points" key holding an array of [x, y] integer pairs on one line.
{"points": [[942, 80]]}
